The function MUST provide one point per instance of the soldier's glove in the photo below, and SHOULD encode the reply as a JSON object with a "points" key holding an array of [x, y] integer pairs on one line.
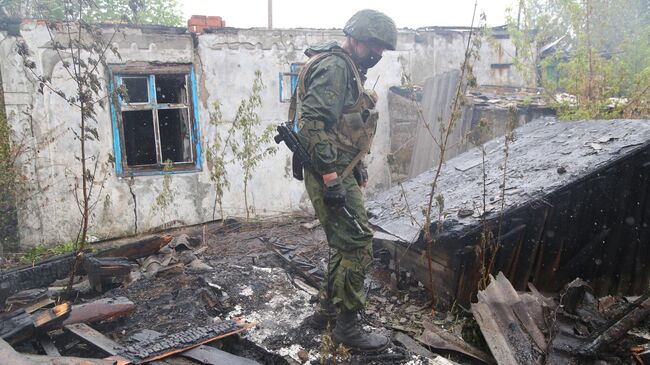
{"points": [[361, 174], [334, 195]]}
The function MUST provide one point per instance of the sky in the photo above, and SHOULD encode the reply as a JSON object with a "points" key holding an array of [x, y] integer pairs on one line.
{"points": [[334, 13]]}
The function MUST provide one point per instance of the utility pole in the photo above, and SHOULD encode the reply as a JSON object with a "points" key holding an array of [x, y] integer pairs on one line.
{"points": [[270, 14]]}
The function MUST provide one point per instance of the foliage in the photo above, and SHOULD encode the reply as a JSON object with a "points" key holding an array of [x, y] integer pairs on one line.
{"points": [[598, 51], [216, 159], [165, 197], [8, 183], [159, 12], [331, 353], [251, 150], [81, 49], [39, 252]]}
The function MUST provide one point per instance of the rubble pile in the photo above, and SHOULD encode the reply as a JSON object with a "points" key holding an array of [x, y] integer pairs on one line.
{"points": [[240, 294]]}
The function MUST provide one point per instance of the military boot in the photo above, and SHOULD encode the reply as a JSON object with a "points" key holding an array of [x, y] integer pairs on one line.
{"points": [[325, 314], [348, 332]]}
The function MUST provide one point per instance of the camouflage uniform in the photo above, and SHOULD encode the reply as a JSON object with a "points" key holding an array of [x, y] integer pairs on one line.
{"points": [[332, 95]]}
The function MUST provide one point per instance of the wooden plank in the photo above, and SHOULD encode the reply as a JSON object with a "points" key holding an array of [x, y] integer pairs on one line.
{"points": [[38, 275], [438, 338], [52, 360], [48, 345], [133, 248], [212, 356], [38, 305], [412, 258], [95, 338], [16, 326], [100, 310], [45, 272], [53, 317]]}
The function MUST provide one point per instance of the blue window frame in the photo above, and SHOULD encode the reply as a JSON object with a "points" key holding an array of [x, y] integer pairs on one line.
{"points": [[289, 82], [155, 118]]}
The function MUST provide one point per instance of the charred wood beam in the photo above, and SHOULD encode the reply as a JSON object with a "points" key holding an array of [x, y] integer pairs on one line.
{"points": [[95, 338], [47, 271], [638, 312], [105, 271], [48, 345], [213, 356], [100, 310], [133, 248], [16, 326], [19, 325], [55, 360]]}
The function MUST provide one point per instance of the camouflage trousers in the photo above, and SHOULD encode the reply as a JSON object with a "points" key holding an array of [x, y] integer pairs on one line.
{"points": [[350, 250]]}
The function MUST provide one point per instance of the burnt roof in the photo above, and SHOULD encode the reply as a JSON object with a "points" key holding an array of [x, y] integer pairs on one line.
{"points": [[545, 156]]}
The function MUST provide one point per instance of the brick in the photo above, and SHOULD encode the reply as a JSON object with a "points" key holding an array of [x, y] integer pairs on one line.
{"points": [[214, 22], [197, 23]]}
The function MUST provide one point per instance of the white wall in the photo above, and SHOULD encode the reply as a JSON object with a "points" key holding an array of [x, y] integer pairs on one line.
{"points": [[225, 63]]}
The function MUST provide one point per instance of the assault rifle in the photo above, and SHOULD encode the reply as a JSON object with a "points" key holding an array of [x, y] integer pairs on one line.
{"points": [[301, 159]]}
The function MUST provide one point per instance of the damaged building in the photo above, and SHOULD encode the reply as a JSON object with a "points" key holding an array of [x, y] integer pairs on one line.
{"points": [[563, 200], [174, 78], [539, 238]]}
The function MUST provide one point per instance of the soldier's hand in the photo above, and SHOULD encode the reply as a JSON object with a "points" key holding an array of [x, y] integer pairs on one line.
{"points": [[361, 175], [334, 195]]}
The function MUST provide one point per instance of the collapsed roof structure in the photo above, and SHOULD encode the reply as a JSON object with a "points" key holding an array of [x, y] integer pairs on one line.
{"points": [[562, 200]]}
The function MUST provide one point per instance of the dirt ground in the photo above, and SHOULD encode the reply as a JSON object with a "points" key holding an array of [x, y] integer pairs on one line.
{"points": [[246, 279]]}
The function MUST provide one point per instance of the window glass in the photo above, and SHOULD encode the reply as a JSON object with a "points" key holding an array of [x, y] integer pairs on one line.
{"points": [[139, 137], [137, 89], [175, 139], [171, 89]]}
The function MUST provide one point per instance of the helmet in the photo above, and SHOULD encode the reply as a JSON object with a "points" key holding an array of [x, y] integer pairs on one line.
{"points": [[372, 26]]}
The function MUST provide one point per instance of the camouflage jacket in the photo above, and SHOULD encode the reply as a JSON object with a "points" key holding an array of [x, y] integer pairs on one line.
{"points": [[331, 101]]}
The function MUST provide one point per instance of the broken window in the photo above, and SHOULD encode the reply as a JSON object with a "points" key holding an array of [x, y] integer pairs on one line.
{"points": [[289, 82], [154, 118]]}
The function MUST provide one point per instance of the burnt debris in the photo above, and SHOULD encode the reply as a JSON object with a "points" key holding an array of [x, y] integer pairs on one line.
{"points": [[588, 221]]}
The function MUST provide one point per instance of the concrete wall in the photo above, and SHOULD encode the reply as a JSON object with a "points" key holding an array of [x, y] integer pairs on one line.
{"points": [[225, 63]]}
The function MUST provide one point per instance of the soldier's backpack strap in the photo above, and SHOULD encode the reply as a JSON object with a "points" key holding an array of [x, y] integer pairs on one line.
{"points": [[300, 89], [300, 86]]}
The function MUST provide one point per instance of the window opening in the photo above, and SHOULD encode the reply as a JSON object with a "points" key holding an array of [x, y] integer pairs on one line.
{"points": [[137, 89], [289, 82], [157, 122]]}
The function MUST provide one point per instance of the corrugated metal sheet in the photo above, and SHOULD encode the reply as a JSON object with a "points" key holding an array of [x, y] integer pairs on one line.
{"points": [[438, 96]]}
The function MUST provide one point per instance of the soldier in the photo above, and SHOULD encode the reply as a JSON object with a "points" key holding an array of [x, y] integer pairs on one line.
{"points": [[336, 121]]}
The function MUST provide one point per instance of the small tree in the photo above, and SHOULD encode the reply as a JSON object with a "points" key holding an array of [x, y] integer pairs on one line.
{"points": [[159, 12], [595, 50], [251, 150], [165, 198], [82, 49], [216, 159], [8, 176]]}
